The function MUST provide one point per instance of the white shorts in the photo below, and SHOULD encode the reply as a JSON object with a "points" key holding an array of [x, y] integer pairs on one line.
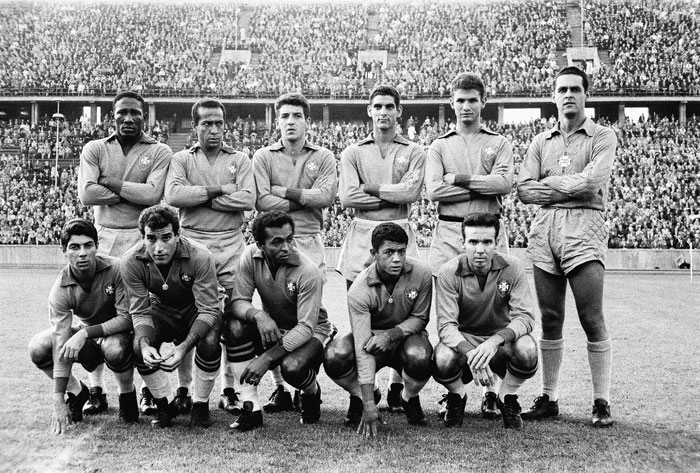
{"points": [[116, 241], [226, 247]]}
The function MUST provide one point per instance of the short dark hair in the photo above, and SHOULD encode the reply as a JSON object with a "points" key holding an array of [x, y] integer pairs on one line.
{"points": [[157, 217], [575, 71], [128, 94], [384, 89], [293, 99], [388, 231], [77, 226], [468, 81], [273, 219], [206, 102], [482, 220]]}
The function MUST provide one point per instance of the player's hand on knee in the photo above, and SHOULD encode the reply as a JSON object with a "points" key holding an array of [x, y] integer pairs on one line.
{"points": [[151, 357], [378, 344], [172, 360], [71, 349], [481, 356], [255, 370], [61, 417], [269, 332]]}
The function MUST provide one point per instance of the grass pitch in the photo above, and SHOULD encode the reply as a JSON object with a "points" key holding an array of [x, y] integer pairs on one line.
{"points": [[653, 320]]}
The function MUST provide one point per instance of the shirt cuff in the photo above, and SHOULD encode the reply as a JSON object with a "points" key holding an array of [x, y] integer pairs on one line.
{"points": [[293, 194], [94, 331], [463, 180], [508, 334], [372, 189]]}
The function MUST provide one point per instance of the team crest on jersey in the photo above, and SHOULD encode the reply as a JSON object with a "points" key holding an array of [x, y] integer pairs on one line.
{"points": [[186, 279], [312, 169], [489, 152], [145, 162], [401, 163], [109, 290], [564, 162], [291, 288], [411, 294], [232, 170], [503, 287]]}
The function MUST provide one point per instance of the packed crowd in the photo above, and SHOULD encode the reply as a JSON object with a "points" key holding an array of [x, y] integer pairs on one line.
{"points": [[653, 201], [168, 49], [653, 45]]}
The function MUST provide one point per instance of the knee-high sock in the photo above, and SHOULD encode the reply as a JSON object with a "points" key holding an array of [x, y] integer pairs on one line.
{"points": [[96, 378], [159, 385], [248, 392], [276, 373], [411, 387], [350, 383], [125, 381], [205, 374], [494, 388], [184, 371], [552, 352], [228, 380], [511, 385], [394, 378], [600, 363]]}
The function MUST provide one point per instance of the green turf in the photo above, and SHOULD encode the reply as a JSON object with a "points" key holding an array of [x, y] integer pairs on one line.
{"points": [[653, 321]]}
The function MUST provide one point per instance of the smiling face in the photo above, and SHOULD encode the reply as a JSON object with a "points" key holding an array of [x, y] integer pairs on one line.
{"points": [[161, 243], [81, 252], [292, 122], [384, 112], [128, 115], [479, 246], [570, 96], [467, 105]]}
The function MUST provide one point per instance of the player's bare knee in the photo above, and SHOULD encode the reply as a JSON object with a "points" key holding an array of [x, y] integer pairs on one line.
{"points": [[208, 348], [117, 351], [40, 350], [446, 361], [524, 352], [338, 357], [417, 353], [293, 367], [234, 332]]}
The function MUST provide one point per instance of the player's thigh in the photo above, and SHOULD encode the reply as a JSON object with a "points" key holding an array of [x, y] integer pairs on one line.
{"points": [[587, 283], [414, 355], [551, 297]]}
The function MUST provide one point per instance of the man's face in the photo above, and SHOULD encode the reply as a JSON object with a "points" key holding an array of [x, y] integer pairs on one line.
{"points": [[278, 243], [467, 105], [210, 129], [390, 257], [384, 112], [81, 252], [161, 243], [570, 96], [479, 246], [128, 115], [292, 122]]}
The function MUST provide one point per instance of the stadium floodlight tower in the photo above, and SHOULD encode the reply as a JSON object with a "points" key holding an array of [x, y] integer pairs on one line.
{"points": [[57, 117]]}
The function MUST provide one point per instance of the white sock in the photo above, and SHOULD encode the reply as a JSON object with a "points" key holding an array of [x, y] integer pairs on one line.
{"points": [[159, 385], [494, 388], [125, 381], [228, 380], [203, 384], [184, 371], [600, 363], [411, 387], [552, 352], [96, 378], [456, 387], [394, 378], [511, 385], [74, 386], [279, 380], [248, 392]]}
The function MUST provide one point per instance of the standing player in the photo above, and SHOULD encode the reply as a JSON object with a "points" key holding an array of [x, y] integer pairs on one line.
{"points": [[469, 169], [121, 175], [290, 329], [484, 316], [389, 307], [299, 178], [380, 177], [89, 287], [172, 288], [566, 172], [213, 185]]}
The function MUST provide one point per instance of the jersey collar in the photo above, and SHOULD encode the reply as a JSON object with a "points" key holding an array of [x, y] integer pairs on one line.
{"points": [[463, 269]]}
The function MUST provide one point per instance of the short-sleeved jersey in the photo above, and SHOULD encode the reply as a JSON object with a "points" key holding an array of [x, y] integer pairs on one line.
{"points": [[186, 187], [190, 285], [483, 168], [313, 172], [504, 306], [577, 165], [142, 170], [372, 308], [105, 304], [397, 178], [292, 297]]}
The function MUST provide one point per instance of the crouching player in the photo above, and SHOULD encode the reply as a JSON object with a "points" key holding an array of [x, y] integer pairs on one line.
{"points": [[90, 288], [173, 297], [389, 308], [291, 328], [484, 316]]}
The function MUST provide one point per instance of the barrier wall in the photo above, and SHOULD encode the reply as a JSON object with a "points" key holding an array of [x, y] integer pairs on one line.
{"points": [[13, 256]]}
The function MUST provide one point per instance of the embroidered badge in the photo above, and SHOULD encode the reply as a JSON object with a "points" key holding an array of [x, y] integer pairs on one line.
{"points": [[291, 288], [186, 279], [401, 163], [109, 290], [411, 294], [232, 170], [503, 287], [145, 162], [489, 152], [564, 162], [312, 169]]}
